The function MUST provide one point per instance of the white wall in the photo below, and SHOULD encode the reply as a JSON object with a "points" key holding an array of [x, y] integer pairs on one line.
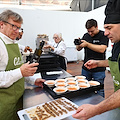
{"points": [[70, 24]]}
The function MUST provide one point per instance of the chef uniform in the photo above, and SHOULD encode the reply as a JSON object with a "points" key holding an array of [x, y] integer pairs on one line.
{"points": [[10, 98], [112, 13], [11, 81]]}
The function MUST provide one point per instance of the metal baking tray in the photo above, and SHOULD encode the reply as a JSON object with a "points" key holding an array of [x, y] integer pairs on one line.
{"points": [[70, 94]]}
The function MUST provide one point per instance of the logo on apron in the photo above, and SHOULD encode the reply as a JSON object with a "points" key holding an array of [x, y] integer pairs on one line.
{"points": [[17, 61]]}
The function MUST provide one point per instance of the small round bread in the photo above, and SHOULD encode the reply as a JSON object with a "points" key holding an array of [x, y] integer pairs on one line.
{"points": [[83, 85], [80, 77], [73, 88], [50, 83], [60, 90], [94, 83]]}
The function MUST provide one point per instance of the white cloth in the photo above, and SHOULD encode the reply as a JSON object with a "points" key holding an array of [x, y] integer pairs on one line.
{"points": [[9, 77]]}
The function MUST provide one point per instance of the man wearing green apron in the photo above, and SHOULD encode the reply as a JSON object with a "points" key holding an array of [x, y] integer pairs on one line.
{"points": [[12, 70], [112, 31]]}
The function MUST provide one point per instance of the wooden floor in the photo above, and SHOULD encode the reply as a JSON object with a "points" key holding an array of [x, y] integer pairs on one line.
{"points": [[74, 68]]}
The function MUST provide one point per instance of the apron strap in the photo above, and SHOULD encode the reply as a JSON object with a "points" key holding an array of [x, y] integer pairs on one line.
{"points": [[118, 57], [2, 40]]}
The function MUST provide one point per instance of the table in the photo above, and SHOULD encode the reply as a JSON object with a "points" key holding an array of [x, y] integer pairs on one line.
{"points": [[34, 95]]}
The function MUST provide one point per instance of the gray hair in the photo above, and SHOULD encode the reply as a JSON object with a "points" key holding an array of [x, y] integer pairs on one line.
{"points": [[60, 36], [7, 14]]}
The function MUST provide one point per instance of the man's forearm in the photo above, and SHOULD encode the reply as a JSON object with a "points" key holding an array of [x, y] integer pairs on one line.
{"points": [[97, 48], [102, 63], [110, 103]]}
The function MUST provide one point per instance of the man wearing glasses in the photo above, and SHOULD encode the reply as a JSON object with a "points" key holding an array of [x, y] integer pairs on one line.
{"points": [[94, 43], [12, 71]]}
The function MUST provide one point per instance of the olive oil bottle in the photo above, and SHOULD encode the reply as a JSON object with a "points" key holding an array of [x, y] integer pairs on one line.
{"points": [[36, 56]]}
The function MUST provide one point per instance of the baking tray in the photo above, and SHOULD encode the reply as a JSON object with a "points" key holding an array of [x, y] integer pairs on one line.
{"points": [[70, 94], [24, 115]]}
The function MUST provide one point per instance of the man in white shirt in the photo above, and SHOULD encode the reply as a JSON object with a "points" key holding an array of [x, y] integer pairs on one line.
{"points": [[12, 71]]}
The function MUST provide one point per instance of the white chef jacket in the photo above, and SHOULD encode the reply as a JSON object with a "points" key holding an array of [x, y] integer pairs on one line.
{"points": [[9, 77], [59, 48]]}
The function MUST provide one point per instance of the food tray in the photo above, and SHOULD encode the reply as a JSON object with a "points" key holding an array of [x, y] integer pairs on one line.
{"points": [[70, 94], [62, 106]]}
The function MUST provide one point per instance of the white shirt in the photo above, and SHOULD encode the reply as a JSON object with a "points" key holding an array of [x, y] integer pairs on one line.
{"points": [[59, 48], [21, 47], [7, 78]]}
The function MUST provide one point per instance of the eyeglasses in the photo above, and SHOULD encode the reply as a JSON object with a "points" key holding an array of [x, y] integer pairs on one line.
{"points": [[14, 27], [54, 37]]}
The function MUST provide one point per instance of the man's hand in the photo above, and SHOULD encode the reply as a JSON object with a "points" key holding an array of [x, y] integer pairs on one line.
{"points": [[91, 64], [39, 82], [84, 43], [85, 112], [28, 69]]}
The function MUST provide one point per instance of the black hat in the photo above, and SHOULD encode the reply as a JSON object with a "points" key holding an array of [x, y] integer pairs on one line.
{"points": [[112, 12]]}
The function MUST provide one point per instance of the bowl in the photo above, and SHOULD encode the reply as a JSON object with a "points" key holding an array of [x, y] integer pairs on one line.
{"points": [[61, 84], [60, 90], [72, 83], [50, 83], [70, 79], [82, 81], [83, 85], [94, 83], [80, 77], [72, 88], [60, 80]]}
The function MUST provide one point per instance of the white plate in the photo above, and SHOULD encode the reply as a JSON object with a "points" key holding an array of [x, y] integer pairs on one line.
{"points": [[50, 83], [61, 84], [83, 85], [82, 81], [70, 79], [60, 80], [73, 88], [60, 90], [69, 113], [72, 83], [94, 83], [80, 77]]}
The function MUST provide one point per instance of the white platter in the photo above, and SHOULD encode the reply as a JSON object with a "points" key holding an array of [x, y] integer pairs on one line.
{"points": [[23, 112]]}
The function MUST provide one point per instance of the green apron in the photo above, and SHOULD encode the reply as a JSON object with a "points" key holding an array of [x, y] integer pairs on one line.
{"points": [[115, 72], [11, 98]]}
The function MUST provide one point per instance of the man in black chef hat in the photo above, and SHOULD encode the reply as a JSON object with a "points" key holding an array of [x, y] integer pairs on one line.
{"points": [[112, 31]]}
